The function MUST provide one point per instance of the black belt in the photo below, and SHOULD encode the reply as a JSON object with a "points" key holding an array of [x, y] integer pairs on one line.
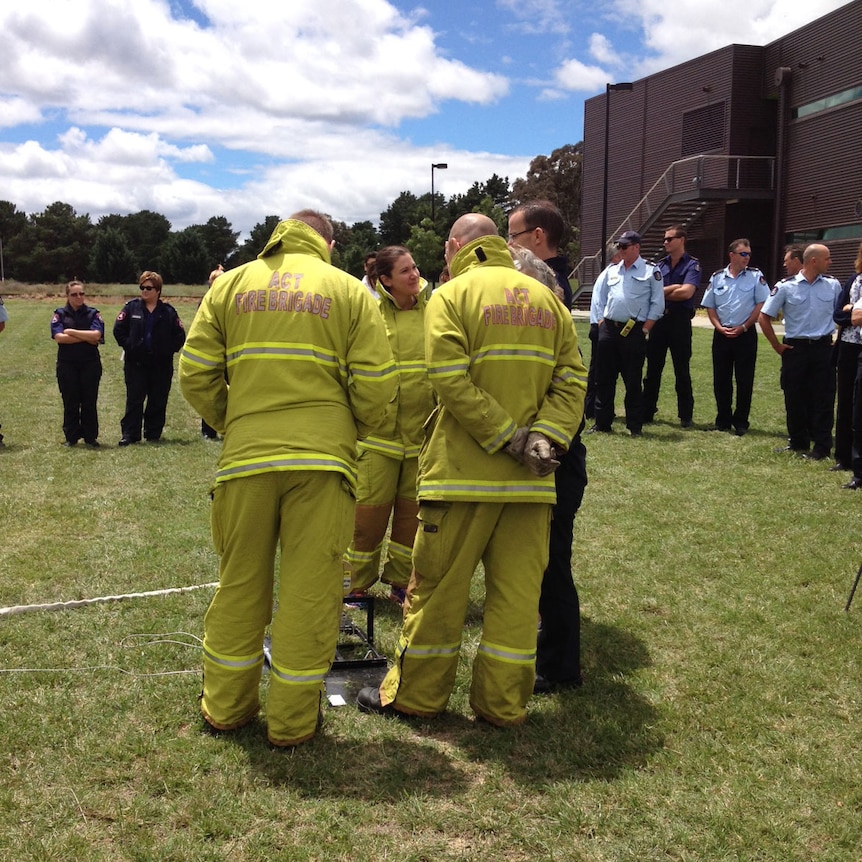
{"points": [[809, 342], [621, 323]]}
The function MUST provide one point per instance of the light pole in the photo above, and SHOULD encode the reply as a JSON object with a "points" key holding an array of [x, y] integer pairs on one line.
{"points": [[608, 89], [439, 166]]}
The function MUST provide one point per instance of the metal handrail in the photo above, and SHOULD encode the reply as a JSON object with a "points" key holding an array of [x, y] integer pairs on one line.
{"points": [[701, 171]]}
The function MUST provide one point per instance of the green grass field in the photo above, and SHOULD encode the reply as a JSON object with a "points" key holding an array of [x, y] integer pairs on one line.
{"points": [[720, 718]]}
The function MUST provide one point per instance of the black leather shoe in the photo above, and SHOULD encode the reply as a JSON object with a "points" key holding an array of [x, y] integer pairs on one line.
{"points": [[725, 428], [368, 700], [790, 450], [596, 430], [814, 455], [853, 485], [126, 441], [635, 432], [838, 467], [686, 423], [741, 432]]}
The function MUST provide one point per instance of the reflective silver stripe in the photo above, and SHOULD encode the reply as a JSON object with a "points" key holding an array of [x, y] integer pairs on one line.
{"points": [[299, 677], [510, 655], [522, 353], [431, 651], [295, 463], [233, 664], [355, 556], [290, 352], [195, 359], [494, 444], [489, 489], [384, 447], [373, 373], [441, 370]]}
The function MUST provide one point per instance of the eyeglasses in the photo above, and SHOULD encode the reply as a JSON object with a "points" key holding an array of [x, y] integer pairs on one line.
{"points": [[518, 233], [76, 294], [743, 253], [622, 246], [670, 238], [147, 287]]}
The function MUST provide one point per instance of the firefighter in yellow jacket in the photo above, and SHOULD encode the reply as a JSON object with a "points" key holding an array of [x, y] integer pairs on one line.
{"points": [[308, 367], [387, 462], [503, 359]]}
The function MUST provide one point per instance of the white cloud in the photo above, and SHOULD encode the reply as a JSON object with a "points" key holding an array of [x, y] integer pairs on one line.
{"points": [[658, 35], [137, 94], [577, 76]]}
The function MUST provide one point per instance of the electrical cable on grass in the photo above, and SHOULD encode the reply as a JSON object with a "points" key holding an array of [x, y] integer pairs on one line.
{"points": [[128, 642]]}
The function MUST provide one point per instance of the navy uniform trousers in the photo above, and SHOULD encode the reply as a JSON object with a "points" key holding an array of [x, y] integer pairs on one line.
{"points": [[558, 656]]}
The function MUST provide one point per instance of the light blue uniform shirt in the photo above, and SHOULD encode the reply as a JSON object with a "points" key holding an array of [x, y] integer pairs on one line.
{"points": [[598, 287], [735, 298], [636, 292], [4, 315], [807, 306]]}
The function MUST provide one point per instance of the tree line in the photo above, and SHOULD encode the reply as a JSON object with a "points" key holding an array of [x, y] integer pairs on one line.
{"points": [[58, 244]]}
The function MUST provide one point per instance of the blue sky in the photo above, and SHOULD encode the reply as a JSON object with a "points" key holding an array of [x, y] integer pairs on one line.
{"points": [[196, 108]]}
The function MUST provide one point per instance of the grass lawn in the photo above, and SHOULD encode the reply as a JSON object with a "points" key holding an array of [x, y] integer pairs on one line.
{"points": [[720, 718]]}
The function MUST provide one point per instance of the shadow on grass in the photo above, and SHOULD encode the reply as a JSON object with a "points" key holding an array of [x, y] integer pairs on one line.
{"points": [[590, 734], [392, 760]]}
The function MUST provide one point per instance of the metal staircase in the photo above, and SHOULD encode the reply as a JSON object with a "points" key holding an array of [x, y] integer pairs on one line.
{"points": [[683, 194]]}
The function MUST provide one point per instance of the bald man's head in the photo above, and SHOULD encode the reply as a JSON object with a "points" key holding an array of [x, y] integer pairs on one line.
{"points": [[472, 226], [466, 229]]}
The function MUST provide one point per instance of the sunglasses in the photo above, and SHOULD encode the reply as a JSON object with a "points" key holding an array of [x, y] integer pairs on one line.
{"points": [[670, 238], [147, 287], [76, 294], [743, 253], [622, 246]]}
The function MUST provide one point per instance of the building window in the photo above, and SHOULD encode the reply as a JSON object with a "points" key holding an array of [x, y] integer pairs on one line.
{"points": [[703, 130], [828, 102], [806, 237]]}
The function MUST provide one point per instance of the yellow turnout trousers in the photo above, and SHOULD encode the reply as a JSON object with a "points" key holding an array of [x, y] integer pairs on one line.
{"points": [[310, 515], [385, 486], [511, 540]]}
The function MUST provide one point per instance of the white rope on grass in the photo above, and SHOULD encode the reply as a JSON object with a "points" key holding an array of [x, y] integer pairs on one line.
{"points": [[80, 603]]}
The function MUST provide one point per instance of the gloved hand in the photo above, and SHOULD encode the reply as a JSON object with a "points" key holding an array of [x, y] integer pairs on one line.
{"points": [[539, 455], [515, 447]]}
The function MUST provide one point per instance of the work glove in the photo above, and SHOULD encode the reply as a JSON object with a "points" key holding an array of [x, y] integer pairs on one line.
{"points": [[515, 447], [539, 455]]}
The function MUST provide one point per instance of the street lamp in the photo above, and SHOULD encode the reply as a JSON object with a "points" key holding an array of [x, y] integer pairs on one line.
{"points": [[608, 89], [440, 166]]}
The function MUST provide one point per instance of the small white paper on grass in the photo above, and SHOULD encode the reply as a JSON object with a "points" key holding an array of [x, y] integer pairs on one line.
{"points": [[337, 700]]}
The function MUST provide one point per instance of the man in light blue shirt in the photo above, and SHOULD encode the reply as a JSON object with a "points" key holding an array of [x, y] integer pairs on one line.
{"points": [[733, 301], [807, 301], [628, 298]]}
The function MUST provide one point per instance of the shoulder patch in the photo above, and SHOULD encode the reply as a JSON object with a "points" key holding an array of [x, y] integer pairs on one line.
{"points": [[697, 266], [657, 275], [122, 315], [773, 290], [762, 278]]}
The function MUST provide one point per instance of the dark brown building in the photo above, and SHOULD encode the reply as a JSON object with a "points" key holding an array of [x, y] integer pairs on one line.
{"points": [[747, 141]]}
